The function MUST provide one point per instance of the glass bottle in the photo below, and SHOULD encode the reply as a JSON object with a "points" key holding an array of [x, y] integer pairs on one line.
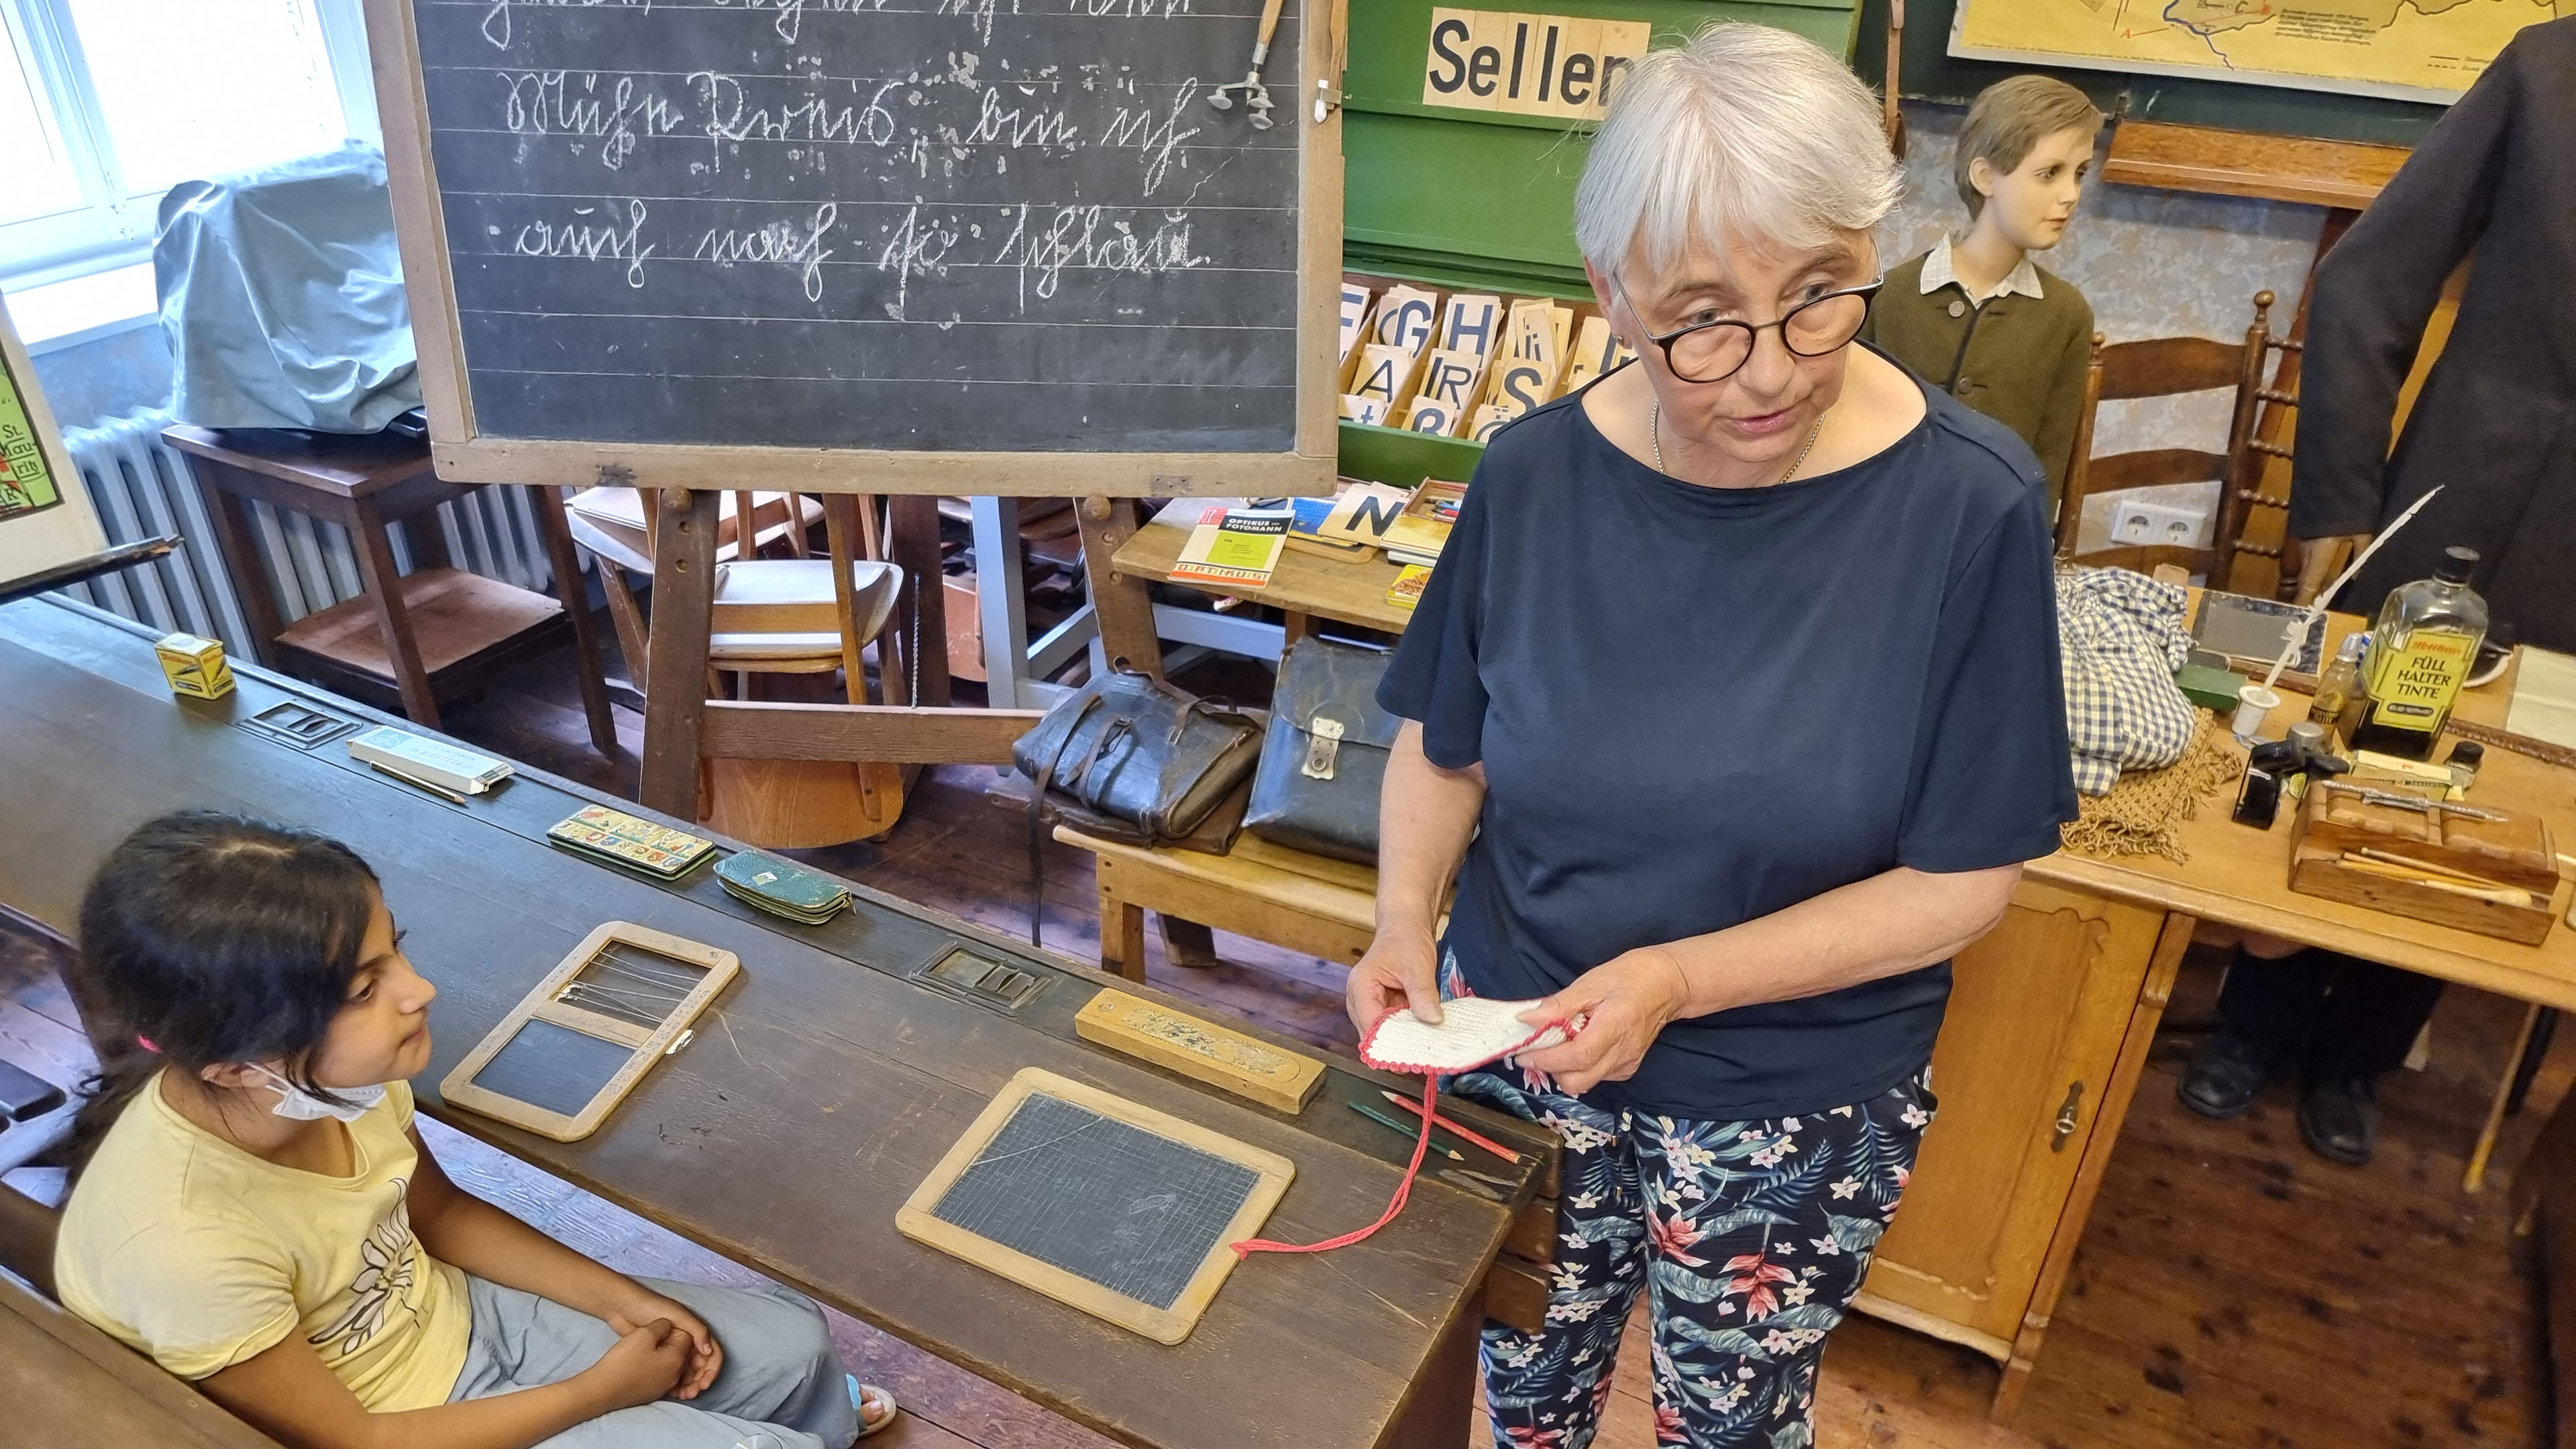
{"points": [[2339, 683], [2423, 645], [2466, 756]]}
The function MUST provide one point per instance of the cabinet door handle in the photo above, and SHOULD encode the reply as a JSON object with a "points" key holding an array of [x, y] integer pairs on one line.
{"points": [[2066, 1118]]}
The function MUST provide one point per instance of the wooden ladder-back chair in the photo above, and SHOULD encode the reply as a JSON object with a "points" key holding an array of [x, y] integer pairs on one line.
{"points": [[792, 615], [2166, 367], [2263, 480]]}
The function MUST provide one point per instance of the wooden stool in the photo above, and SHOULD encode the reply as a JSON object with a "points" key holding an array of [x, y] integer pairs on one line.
{"points": [[1302, 902], [410, 639]]}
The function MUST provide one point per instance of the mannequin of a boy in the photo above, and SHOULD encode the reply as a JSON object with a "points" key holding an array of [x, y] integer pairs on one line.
{"points": [[1975, 316], [2026, 209]]}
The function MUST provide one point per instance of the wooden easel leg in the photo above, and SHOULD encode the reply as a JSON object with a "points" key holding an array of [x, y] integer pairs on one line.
{"points": [[915, 546], [675, 699], [1441, 1409], [1123, 606], [585, 635]]}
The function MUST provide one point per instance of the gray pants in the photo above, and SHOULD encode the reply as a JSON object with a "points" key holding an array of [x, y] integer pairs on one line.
{"points": [[782, 1386]]}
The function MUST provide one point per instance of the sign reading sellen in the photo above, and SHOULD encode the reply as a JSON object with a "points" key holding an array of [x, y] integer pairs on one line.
{"points": [[1529, 65]]}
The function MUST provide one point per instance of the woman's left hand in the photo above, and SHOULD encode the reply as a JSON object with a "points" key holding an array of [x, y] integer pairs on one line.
{"points": [[706, 1356], [1627, 1000]]}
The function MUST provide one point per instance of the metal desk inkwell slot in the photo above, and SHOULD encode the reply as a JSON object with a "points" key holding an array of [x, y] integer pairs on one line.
{"points": [[982, 979], [299, 725]]}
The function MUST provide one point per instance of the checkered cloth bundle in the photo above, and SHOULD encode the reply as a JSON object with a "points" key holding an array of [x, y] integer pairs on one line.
{"points": [[2120, 638]]}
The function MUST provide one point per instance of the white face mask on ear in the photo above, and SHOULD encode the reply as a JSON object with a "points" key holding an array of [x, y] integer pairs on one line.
{"points": [[298, 1105]]}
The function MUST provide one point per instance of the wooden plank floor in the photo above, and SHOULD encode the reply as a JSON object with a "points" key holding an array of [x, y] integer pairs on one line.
{"points": [[2233, 1291]]}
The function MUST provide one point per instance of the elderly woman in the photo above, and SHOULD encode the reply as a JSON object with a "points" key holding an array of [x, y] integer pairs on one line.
{"points": [[1736, 693]]}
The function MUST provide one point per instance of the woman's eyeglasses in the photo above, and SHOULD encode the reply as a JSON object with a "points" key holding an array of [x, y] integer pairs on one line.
{"points": [[1713, 351]]}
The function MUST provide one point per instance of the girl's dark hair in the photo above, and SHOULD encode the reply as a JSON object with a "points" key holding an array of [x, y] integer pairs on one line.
{"points": [[218, 939]]}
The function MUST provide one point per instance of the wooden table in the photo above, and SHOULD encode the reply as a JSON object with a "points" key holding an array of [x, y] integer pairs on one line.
{"points": [[410, 638], [2053, 1012], [821, 1088]]}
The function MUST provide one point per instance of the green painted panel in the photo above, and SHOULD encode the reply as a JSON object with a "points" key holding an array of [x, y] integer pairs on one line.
{"points": [[1391, 455], [1472, 191], [1469, 199]]}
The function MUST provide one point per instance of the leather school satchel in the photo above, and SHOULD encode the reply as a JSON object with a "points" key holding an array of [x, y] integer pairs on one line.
{"points": [[1134, 759], [1324, 756]]}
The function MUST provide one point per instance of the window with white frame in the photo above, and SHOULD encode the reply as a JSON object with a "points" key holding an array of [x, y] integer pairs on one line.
{"points": [[105, 104]]}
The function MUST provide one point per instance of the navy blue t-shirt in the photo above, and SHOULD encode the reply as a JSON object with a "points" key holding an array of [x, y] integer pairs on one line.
{"points": [[1698, 706]]}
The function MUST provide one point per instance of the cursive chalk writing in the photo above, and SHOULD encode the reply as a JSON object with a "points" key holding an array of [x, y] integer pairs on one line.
{"points": [[726, 113], [590, 241], [1154, 136], [563, 103], [496, 17], [917, 245], [797, 244], [1088, 238]]}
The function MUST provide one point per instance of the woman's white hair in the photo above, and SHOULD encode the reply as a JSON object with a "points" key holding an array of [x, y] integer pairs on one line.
{"points": [[1747, 135]]}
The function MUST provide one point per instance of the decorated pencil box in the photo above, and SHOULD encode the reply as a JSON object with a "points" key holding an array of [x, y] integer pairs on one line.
{"points": [[782, 887]]}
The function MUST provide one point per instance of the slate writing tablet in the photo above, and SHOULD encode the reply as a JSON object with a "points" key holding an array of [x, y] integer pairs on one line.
{"points": [[1098, 1202], [573, 1048]]}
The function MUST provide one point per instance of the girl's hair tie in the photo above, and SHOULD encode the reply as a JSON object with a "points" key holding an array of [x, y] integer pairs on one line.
{"points": [[148, 1044]]}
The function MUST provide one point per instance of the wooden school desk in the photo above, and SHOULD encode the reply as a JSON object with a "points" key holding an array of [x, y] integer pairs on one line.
{"points": [[818, 1092], [2051, 1014], [68, 1386]]}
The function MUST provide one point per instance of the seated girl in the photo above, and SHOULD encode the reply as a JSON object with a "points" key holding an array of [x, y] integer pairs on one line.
{"points": [[252, 1207]]}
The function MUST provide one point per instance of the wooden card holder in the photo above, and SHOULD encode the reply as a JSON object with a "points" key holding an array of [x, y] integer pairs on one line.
{"points": [[2495, 877], [625, 998]]}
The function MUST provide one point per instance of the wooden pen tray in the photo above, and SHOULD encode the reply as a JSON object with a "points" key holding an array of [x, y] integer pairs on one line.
{"points": [[2492, 877]]}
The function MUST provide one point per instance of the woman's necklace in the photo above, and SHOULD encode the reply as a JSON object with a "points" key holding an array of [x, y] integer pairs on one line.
{"points": [[1655, 436]]}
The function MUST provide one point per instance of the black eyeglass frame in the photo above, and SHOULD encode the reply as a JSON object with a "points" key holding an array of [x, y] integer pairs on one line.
{"points": [[1866, 291]]}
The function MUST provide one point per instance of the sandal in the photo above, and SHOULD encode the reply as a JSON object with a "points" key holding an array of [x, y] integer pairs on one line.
{"points": [[861, 1394]]}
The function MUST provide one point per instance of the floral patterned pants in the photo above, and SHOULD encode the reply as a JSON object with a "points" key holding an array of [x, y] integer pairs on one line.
{"points": [[1750, 1239]]}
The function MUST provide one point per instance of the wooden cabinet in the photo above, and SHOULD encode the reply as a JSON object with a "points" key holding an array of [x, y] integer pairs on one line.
{"points": [[2049, 1023]]}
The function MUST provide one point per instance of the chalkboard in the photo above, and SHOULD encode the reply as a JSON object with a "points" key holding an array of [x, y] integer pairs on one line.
{"points": [[982, 245], [1098, 1202]]}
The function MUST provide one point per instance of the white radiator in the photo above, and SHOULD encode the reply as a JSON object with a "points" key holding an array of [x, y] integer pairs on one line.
{"points": [[142, 488]]}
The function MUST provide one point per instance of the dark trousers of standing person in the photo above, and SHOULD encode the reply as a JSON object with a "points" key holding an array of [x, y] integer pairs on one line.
{"points": [[2340, 1022]]}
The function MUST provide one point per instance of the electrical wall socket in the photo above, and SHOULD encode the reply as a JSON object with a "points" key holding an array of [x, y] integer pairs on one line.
{"points": [[2159, 523]]}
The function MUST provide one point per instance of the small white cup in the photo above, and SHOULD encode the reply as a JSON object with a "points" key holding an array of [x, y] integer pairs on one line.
{"points": [[2254, 704]]}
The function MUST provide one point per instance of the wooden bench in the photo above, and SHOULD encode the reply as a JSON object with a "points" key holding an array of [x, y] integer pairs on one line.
{"points": [[1288, 898]]}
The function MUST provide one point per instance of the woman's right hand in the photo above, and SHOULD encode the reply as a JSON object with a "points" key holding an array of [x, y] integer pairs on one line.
{"points": [[644, 1365], [1401, 969]]}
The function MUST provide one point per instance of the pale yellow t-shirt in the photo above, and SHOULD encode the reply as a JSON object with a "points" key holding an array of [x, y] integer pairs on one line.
{"points": [[187, 1248]]}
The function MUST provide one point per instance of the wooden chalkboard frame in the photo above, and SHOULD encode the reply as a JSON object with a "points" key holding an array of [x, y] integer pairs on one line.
{"points": [[459, 451], [916, 1220], [646, 1047]]}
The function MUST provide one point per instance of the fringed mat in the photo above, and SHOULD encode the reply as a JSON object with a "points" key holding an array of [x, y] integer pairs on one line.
{"points": [[2142, 814]]}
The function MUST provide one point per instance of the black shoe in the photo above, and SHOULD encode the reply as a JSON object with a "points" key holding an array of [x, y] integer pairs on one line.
{"points": [[2223, 1077], [2340, 1119]]}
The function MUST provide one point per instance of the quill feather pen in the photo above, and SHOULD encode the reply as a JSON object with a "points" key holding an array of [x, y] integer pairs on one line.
{"points": [[2298, 629]]}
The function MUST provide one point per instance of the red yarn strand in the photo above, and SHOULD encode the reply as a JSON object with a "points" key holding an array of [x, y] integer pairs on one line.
{"points": [[1403, 1190]]}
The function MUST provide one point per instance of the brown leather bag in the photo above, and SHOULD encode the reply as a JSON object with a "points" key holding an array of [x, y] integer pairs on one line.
{"points": [[1134, 759]]}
